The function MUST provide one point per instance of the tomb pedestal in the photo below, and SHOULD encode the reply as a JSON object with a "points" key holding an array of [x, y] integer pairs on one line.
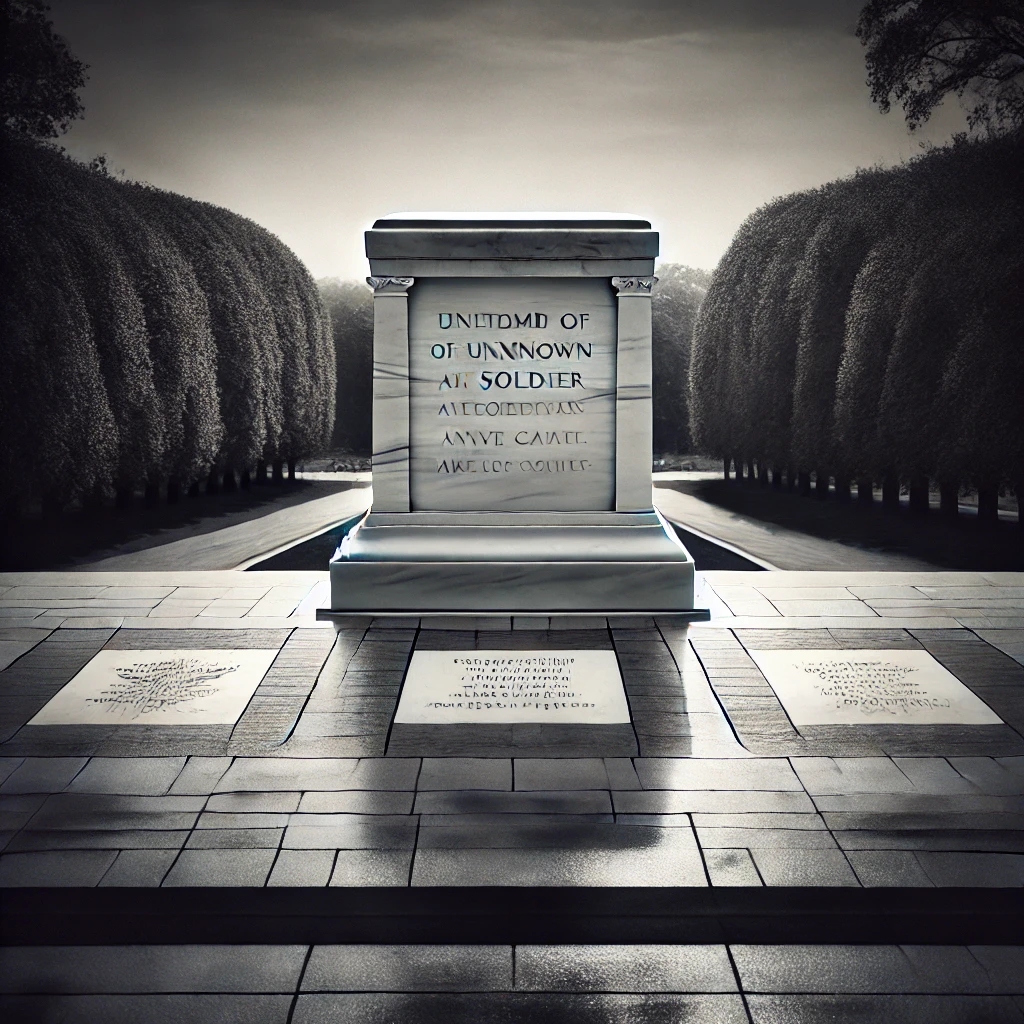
{"points": [[512, 423]]}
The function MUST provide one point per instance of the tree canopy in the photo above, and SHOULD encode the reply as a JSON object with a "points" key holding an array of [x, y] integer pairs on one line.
{"points": [[40, 77], [920, 51]]}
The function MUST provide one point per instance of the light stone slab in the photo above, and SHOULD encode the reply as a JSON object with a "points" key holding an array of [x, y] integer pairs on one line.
{"points": [[502, 687], [172, 687], [512, 395], [870, 687]]}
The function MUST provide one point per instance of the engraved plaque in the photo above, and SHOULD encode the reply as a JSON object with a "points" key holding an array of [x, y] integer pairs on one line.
{"points": [[885, 687], [178, 687], [512, 395], [443, 687]]}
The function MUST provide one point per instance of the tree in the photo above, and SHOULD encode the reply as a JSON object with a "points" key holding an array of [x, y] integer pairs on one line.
{"points": [[676, 299], [349, 307], [920, 51], [40, 77]]}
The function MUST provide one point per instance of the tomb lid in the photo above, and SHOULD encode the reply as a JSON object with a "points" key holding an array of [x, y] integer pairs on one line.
{"points": [[511, 236]]}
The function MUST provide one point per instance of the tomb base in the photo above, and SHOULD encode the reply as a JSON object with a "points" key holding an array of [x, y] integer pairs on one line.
{"points": [[521, 563]]}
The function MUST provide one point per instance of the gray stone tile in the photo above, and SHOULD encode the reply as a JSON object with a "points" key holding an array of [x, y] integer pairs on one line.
{"points": [[319, 773], [840, 775], [131, 1009], [371, 867], [551, 773], [621, 773], [139, 868], [357, 802], [671, 859], [885, 1009], [8, 765], [235, 839], [441, 773], [646, 968], [274, 802], [17, 809], [935, 775], [65, 811], [356, 968], [502, 1007], [200, 775], [302, 868], [942, 839], [765, 838], [716, 773], [803, 867], [350, 832], [477, 802], [241, 819], [43, 774], [55, 868], [888, 969], [890, 868], [144, 776], [654, 801], [98, 839], [1004, 965], [803, 822], [731, 868], [997, 775], [221, 867], [972, 869]]}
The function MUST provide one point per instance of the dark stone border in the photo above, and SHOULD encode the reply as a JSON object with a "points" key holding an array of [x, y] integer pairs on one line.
{"points": [[502, 915]]}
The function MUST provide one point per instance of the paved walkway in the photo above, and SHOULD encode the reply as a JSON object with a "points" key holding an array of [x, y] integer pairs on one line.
{"points": [[697, 843]]}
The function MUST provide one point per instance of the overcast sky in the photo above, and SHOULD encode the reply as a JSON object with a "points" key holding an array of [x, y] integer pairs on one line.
{"points": [[315, 117]]}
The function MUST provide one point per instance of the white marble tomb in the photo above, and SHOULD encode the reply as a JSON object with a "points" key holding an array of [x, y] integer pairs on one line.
{"points": [[504, 687], [870, 687], [174, 687]]}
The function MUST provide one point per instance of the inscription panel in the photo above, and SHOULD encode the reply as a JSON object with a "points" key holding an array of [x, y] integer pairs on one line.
{"points": [[512, 395], [174, 687], [502, 687], [869, 687]]}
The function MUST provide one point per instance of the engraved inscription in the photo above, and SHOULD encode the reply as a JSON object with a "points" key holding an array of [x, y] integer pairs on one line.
{"points": [[144, 687]]}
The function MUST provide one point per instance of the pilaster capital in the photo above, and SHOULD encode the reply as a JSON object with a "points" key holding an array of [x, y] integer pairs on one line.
{"points": [[390, 285], [633, 285]]}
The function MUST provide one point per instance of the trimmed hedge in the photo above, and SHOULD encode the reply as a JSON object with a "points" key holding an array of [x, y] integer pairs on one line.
{"points": [[149, 339], [871, 330]]}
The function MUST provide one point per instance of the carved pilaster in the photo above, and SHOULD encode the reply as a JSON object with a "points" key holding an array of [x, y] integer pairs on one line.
{"points": [[633, 285], [390, 285]]}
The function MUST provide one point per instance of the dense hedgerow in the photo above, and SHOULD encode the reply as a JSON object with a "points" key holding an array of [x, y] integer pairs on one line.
{"points": [[148, 339], [871, 329]]}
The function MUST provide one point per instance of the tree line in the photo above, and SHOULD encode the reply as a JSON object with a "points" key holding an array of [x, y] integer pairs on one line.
{"points": [[869, 331], [150, 341]]}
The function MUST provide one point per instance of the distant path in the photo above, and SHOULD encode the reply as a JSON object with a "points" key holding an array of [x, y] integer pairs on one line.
{"points": [[783, 548], [232, 546]]}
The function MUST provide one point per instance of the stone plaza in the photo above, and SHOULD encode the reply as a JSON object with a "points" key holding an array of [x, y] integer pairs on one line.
{"points": [[511, 756]]}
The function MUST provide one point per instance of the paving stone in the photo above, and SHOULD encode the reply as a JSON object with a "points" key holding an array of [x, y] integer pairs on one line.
{"points": [[221, 867], [43, 774], [502, 1007], [291, 773], [476, 802], [462, 773], [56, 868], [571, 773], [235, 839], [721, 773], [278, 801], [802, 822], [1004, 965], [998, 775], [828, 775], [98, 839], [972, 869], [350, 832], [890, 868], [667, 858], [355, 968], [200, 775], [72, 811], [154, 1009], [838, 969], [890, 1009], [371, 867], [947, 839], [137, 868], [8, 765], [765, 838], [357, 802], [647, 968], [152, 776], [197, 639], [660, 801], [302, 868], [731, 868], [935, 775], [803, 867]]}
